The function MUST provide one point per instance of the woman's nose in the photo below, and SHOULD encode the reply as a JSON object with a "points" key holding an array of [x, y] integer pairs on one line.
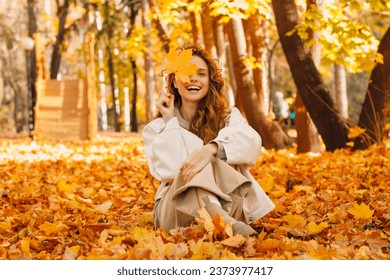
{"points": [[193, 78]]}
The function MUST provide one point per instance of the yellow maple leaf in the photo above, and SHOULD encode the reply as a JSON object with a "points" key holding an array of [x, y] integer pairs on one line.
{"points": [[355, 132], [71, 253], [180, 64], [361, 211], [205, 218], [104, 206], [235, 241], [140, 234], [5, 225], [51, 228], [293, 220], [65, 187], [25, 246], [313, 228]]}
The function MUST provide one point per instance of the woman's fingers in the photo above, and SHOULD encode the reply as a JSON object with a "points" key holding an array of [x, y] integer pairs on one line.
{"points": [[190, 170], [165, 103]]}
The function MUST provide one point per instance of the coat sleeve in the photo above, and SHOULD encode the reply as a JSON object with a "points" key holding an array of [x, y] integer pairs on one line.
{"points": [[242, 144], [164, 148]]}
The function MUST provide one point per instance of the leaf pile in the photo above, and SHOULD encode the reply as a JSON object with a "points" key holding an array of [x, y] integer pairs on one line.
{"points": [[94, 200]]}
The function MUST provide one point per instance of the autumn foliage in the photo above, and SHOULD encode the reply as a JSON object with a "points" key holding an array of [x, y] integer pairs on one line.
{"points": [[94, 200]]}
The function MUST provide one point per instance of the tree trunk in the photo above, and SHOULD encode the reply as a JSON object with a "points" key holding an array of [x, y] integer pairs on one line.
{"points": [[232, 96], [133, 119], [259, 52], [330, 124], [207, 28], [271, 72], [57, 49], [194, 29], [162, 34], [340, 83], [150, 84], [111, 70], [223, 62], [272, 134], [220, 44], [307, 134], [377, 102], [32, 73]]}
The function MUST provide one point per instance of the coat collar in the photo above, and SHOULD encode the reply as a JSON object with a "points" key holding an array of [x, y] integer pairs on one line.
{"points": [[182, 122]]}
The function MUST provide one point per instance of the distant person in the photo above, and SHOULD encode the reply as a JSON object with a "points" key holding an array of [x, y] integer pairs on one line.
{"points": [[280, 107], [201, 151], [290, 99]]}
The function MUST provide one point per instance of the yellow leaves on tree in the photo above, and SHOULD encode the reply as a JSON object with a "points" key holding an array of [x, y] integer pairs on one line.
{"points": [[180, 64]]}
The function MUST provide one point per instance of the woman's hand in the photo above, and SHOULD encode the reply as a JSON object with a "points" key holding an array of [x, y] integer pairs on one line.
{"points": [[197, 160], [165, 103]]}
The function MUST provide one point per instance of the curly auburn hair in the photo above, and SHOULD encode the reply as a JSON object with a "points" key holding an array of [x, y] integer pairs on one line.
{"points": [[213, 109]]}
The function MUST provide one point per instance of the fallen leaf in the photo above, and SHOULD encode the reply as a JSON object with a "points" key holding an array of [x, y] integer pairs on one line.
{"points": [[53, 228], [361, 211], [104, 207], [235, 241], [355, 132], [71, 253], [313, 228], [25, 246], [293, 220]]}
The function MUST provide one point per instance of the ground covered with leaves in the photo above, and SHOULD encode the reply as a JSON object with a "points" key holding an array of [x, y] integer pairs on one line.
{"points": [[94, 200]]}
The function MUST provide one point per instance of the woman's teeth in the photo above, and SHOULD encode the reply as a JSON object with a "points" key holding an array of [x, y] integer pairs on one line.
{"points": [[193, 88]]}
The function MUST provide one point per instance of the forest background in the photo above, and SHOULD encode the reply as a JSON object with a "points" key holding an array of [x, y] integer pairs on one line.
{"points": [[132, 37], [333, 56]]}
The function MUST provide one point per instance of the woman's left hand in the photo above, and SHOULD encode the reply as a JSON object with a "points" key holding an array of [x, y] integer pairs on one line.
{"points": [[197, 160]]}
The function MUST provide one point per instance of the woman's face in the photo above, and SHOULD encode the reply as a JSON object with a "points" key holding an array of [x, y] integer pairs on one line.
{"points": [[198, 86]]}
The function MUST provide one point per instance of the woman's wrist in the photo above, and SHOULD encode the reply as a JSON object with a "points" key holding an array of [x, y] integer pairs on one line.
{"points": [[213, 148]]}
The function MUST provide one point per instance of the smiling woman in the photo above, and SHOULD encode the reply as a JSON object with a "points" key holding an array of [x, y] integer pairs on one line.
{"points": [[191, 93], [201, 150]]}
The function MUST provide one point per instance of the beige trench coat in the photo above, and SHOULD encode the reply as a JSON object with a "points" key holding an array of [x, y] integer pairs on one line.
{"points": [[168, 142]]}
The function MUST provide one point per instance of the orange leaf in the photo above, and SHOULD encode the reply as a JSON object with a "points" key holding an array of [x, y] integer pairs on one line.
{"points": [[361, 211], [25, 246], [355, 132], [180, 64], [235, 241], [293, 220], [142, 234], [207, 220], [219, 223], [104, 206], [52, 228], [71, 253], [65, 187], [5, 225], [313, 228]]}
